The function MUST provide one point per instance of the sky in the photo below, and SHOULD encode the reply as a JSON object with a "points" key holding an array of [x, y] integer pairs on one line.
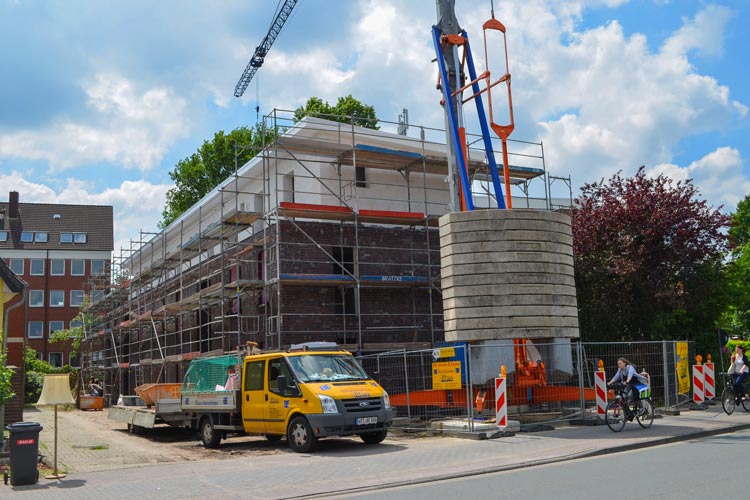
{"points": [[100, 100]]}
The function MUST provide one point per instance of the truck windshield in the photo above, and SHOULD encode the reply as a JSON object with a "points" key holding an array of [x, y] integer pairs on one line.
{"points": [[319, 367]]}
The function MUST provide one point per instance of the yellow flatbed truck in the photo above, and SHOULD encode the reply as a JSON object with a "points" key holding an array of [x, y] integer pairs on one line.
{"points": [[303, 394]]}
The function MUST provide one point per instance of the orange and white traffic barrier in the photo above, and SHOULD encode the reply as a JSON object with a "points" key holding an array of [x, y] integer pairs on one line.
{"points": [[501, 401], [600, 385], [709, 378], [699, 395]]}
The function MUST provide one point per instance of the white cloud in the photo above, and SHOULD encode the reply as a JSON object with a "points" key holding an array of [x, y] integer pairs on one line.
{"points": [[126, 127], [718, 176], [704, 33], [137, 205]]}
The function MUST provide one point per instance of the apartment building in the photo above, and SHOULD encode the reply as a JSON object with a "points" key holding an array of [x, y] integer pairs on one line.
{"points": [[57, 250]]}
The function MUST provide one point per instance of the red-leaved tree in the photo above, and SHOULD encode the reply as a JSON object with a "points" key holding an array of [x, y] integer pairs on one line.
{"points": [[648, 256]]}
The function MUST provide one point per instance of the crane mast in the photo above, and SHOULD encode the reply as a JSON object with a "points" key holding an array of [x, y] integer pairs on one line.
{"points": [[261, 50]]}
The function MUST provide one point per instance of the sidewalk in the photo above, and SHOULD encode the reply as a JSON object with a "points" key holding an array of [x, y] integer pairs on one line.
{"points": [[264, 470]]}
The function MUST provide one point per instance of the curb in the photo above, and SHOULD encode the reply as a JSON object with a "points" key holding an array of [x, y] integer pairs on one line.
{"points": [[533, 463]]}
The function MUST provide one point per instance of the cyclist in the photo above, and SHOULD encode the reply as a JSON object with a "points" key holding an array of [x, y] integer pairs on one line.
{"points": [[629, 376], [739, 369]]}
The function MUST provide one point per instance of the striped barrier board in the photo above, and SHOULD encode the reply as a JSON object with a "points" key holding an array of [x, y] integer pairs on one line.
{"points": [[710, 380], [600, 382], [698, 384], [501, 403]]}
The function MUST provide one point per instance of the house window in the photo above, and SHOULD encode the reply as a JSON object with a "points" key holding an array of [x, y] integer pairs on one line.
{"points": [[36, 298], [97, 267], [36, 267], [27, 236], [76, 298], [57, 298], [3, 235], [75, 360], [56, 359], [16, 265], [288, 188], [361, 177], [41, 237], [96, 296], [36, 329], [77, 267], [55, 326], [57, 267], [66, 237], [79, 238], [76, 323]]}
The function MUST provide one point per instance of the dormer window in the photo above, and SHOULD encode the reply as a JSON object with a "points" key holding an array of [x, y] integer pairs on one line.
{"points": [[66, 237], [41, 237], [27, 237], [79, 238], [3, 235]]}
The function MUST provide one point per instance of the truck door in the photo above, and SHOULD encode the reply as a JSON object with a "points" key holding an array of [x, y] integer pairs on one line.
{"points": [[254, 397], [281, 400]]}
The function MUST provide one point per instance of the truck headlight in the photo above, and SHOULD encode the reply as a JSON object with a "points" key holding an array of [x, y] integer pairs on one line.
{"points": [[386, 401], [328, 404]]}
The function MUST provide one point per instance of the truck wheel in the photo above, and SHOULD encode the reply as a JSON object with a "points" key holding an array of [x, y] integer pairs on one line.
{"points": [[300, 435], [273, 438], [374, 437], [209, 436]]}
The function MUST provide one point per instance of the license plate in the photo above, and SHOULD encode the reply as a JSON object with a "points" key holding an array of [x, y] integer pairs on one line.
{"points": [[366, 420]]}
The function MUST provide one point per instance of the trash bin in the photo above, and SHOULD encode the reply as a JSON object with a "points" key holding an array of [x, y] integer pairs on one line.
{"points": [[24, 452]]}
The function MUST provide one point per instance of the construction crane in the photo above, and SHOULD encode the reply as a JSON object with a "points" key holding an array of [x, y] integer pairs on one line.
{"points": [[447, 38], [261, 50]]}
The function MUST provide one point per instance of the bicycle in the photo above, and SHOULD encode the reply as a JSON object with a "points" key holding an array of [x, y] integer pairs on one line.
{"points": [[729, 398], [620, 410]]}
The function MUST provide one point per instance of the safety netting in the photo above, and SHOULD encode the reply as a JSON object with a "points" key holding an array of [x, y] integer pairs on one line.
{"points": [[221, 373]]}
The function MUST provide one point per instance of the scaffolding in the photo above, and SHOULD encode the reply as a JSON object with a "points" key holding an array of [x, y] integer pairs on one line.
{"points": [[328, 233]]}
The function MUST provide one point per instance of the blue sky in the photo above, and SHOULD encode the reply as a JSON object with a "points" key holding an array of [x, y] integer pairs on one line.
{"points": [[99, 100]]}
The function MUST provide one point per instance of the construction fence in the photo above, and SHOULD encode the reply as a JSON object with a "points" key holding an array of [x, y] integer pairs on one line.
{"points": [[454, 385]]}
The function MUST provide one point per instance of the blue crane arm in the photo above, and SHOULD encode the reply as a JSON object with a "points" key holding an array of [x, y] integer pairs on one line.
{"points": [[261, 50]]}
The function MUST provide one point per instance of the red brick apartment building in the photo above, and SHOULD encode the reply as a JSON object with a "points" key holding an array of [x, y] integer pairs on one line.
{"points": [[57, 250]]}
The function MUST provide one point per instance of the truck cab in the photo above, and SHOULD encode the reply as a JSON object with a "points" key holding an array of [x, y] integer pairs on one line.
{"points": [[307, 394]]}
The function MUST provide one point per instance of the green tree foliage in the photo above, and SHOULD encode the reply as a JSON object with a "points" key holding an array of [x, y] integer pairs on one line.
{"points": [[36, 369], [346, 110], [6, 390], [196, 175], [648, 257], [736, 317]]}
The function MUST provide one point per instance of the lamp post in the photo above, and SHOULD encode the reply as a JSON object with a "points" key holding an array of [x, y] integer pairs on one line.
{"points": [[56, 391]]}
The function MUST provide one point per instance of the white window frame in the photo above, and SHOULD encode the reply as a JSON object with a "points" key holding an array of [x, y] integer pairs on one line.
{"points": [[81, 294], [71, 359], [66, 237], [40, 295], [51, 330], [41, 237], [57, 303], [96, 296], [41, 330], [3, 235], [80, 236], [23, 265], [27, 237], [103, 263], [51, 267], [83, 264], [31, 267], [62, 359]]}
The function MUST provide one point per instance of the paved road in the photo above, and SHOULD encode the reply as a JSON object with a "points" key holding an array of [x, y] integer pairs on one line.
{"points": [[713, 467], [346, 465]]}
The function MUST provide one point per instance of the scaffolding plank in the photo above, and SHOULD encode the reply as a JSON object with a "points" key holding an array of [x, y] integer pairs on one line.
{"points": [[314, 211], [316, 279], [390, 217], [241, 218], [312, 145], [394, 280]]}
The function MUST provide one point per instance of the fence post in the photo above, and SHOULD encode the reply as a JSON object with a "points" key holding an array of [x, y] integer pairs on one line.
{"points": [[665, 371], [579, 361], [470, 388], [406, 382]]}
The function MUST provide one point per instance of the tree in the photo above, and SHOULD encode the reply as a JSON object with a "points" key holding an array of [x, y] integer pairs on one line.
{"points": [[347, 110], [6, 389], [648, 257], [736, 317], [196, 175]]}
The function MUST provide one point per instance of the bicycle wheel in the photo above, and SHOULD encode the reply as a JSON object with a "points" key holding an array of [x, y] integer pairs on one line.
{"points": [[746, 403], [647, 417], [727, 400], [615, 416]]}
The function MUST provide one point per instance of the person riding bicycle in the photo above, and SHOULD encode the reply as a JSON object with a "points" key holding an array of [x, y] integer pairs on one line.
{"points": [[739, 369], [630, 377]]}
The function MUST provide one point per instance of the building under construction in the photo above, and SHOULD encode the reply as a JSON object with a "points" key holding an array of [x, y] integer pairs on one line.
{"points": [[328, 233]]}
